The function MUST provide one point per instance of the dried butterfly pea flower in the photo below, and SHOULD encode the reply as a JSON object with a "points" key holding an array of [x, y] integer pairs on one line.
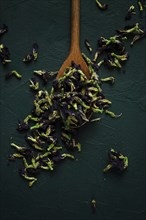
{"points": [[38, 109], [30, 118], [65, 135], [65, 155], [37, 147], [87, 44], [34, 84], [114, 43], [22, 126], [112, 114], [35, 164], [137, 37], [71, 102], [40, 72], [95, 119], [17, 155], [33, 55], [23, 151], [19, 148], [13, 73], [140, 5], [32, 167], [133, 30], [46, 167], [4, 54], [18, 75], [32, 139], [35, 141], [28, 58], [92, 66], [131, 11], [31, 180], [100, 63], [54, 150], [110, 80], [35, 51], [93, 205], [48, 131], [112, 40], [68, 139], [41, 156], [61, 157], [3, 29], [117, 161], [104, 101], [48, 164], [45, 75], [36, 126], [122, 57], [102, 6], [96, 55], [112, 62]]}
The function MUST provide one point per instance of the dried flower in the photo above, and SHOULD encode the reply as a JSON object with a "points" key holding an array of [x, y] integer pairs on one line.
{"points": [[34, 84], [93, 205], [131, 11], [13, 73], [4, 54], [3, 29], [33, 55], [117, 161], [87, 44], [102, 6]]}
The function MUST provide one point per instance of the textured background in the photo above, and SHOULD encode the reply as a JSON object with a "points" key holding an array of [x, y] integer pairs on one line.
{"points": [[66, 194]]}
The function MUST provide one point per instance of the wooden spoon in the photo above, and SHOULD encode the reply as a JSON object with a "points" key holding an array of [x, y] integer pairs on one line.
{"points": [[75, 53]]}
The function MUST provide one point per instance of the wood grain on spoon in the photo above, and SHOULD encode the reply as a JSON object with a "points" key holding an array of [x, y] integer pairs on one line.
{"points": [[75, 53]]}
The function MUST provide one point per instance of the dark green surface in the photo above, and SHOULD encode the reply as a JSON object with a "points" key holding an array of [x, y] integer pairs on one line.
{"points": [[66, 194]]}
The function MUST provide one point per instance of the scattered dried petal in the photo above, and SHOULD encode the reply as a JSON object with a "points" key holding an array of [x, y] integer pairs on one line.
{"points": [[87, 44], [102, 6], [3, 29]]}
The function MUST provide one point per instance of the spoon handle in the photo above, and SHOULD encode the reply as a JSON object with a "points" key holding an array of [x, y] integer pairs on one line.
{"points": [[74, 53], [75, 25]]}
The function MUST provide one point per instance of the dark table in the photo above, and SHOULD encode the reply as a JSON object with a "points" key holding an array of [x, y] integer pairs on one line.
{"points": [[66, 193]]}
